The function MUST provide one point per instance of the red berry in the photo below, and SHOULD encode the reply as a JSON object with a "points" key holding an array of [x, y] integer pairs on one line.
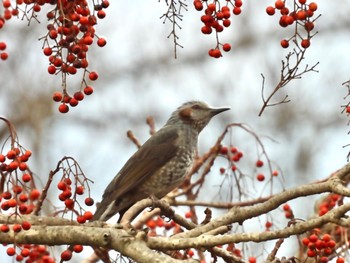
{"points": [[6, 195], [51, 69], [16, 228], [105, 3], [4, 55], [313, 238], [313, 6], [36, 8], [198, 5], [53, 34], [77, 248], [188, 214], [34, 194], [226, 23], [68, 181], [11, 251], [88, 40], [252, 259], [270, 10], [305, 43], [79, 96], [4, 228], [286, 207], [88, 90], [66, 255], [212, 7], [279, 4], [62, 186], [11, 154], [26, 225], [6, 3], [226, 47], [305, 241], [311, 253], [236, 10], [215, 53], [23, 166], [84, 20], [301, 15], [309, 26], [206, 30], [260, 177], [81, 219], [25, 252], [151, 224], [69, 203], [326, 237], [89, 201], [93, 75], [268, 224], [223, 150], [88, 215], [73, 102], [101, 14], [63, 108], [13, 166], [79, 190], [47, 51], [101, 42], [340, 260], [259, 163], [284, 43], [23, 198], [331, 244], [2, 45]]}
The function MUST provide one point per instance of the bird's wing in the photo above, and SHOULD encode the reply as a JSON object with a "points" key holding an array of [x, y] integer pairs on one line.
{"points": [[152, 155]]}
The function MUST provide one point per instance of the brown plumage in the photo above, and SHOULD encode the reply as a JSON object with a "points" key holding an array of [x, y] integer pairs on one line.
{"points": [[160, 164]]}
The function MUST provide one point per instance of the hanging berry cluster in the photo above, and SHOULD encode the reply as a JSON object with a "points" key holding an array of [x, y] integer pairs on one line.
{"points": [[70, 33], [301, 15], [321, 247], [217, 17], [19, 195]]}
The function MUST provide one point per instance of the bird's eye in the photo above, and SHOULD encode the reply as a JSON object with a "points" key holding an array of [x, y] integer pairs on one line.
{"points": [[196, 107]]}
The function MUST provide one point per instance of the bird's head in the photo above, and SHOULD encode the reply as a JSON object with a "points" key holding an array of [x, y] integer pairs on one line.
{"points": [[194, 113]]}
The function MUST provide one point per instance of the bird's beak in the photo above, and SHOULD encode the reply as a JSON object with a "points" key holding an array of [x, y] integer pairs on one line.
{"points": [[215, 111]]}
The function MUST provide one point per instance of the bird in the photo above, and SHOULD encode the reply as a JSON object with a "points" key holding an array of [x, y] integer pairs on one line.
{"points": [[160, 164]]}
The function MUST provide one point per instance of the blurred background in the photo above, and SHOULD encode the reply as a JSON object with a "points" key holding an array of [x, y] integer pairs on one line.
{"points": [[139, 77]]}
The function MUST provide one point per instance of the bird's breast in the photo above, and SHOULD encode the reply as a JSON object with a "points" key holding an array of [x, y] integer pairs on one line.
{"points": [[171, 175]]}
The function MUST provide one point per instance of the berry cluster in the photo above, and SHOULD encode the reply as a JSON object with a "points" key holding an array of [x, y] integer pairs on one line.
{"points": [[6, 13], [234, 250], [320, 247], [328, 203], [288, 212], [3, 54], [30, 253], [69, 199], [302, 16], [20, 196], [67, 254], [216, 18], [70, 33], [233, 155]]}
